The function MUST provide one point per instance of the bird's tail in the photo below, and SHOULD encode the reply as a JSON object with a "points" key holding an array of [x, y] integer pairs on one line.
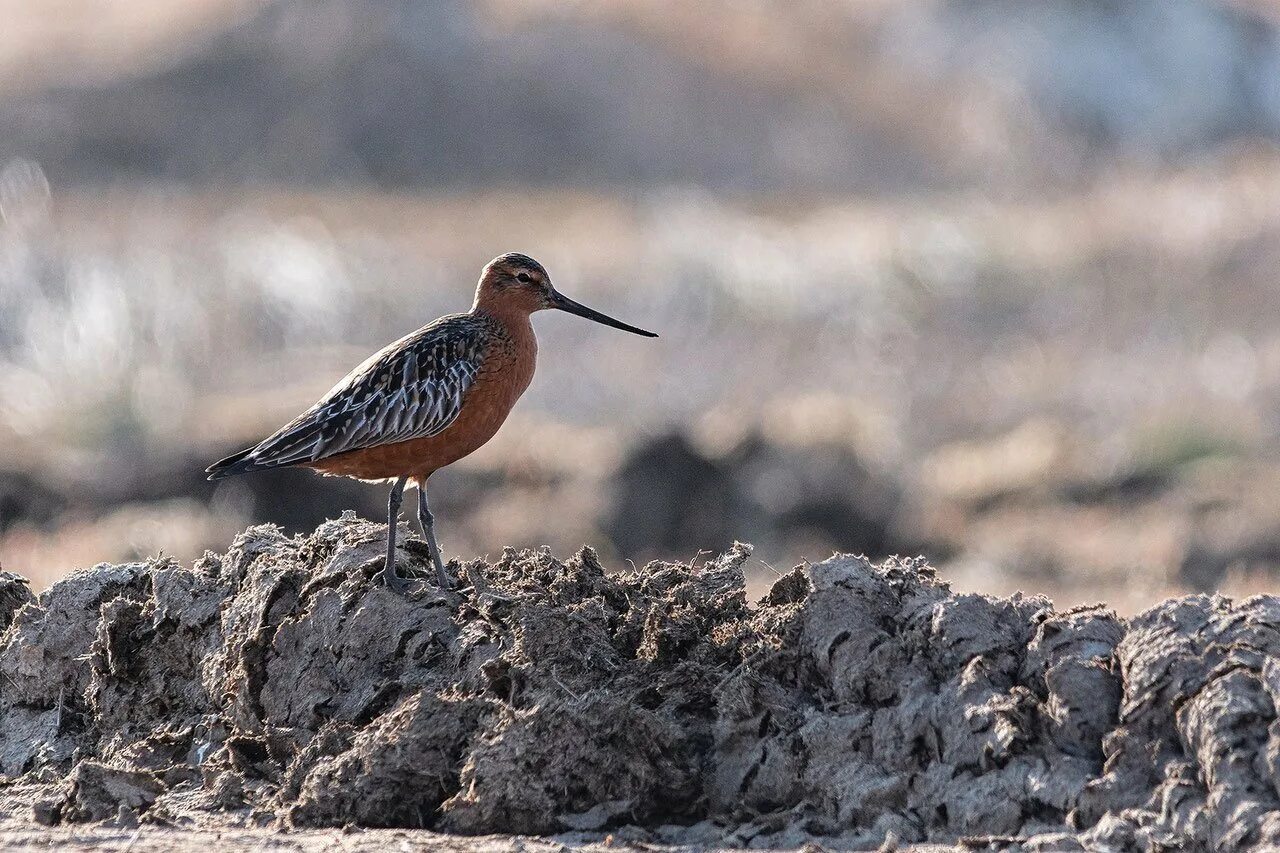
{"points": [[236, 463]]}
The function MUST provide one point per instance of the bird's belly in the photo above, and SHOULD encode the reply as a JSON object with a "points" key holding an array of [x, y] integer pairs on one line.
{"points": [[487, 405]]}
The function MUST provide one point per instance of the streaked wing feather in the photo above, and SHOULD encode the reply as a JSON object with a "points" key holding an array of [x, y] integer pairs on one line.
{"points": [[413, 389]]}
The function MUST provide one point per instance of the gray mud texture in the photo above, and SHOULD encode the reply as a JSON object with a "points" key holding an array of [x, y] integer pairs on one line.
{"points": [[281, 687]]}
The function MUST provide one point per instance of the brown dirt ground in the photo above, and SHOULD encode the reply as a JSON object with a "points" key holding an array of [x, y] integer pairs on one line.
{"points": [[277, 693]]}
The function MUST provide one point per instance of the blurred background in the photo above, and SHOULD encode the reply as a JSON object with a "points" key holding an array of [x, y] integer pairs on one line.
{"points": [[987, 280]]}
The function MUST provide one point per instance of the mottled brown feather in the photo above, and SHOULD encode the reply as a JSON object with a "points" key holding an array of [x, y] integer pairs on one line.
{"points": [[506, 369], [452, 380]]}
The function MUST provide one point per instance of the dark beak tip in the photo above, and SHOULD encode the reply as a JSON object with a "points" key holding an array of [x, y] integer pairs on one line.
{"points": [[566, 304]]}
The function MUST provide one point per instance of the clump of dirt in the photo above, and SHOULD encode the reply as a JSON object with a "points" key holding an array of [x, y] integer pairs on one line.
{"points": [[280, 684]]}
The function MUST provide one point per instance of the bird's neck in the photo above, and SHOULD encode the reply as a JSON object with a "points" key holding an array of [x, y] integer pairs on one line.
{"points": [[515, 319], [512, 337]]}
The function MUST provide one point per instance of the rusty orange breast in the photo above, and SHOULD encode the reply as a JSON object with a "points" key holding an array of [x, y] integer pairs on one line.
{"points": [[505, 373]]}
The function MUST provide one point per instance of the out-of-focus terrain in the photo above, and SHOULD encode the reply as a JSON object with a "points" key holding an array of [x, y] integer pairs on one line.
{"points": [[987, 281]]}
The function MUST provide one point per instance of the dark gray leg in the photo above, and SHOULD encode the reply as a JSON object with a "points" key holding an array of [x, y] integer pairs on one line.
{"points": [[428, 522], [393, 581]]}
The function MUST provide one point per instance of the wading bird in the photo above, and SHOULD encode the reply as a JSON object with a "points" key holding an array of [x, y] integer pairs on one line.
{"points": [[426, 400]]}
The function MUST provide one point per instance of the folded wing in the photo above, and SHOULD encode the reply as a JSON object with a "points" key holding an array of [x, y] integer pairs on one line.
{"points": [[415, 388]]}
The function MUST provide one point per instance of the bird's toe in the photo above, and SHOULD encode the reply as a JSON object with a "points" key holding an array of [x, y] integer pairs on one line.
{"points": [[393, 581]]}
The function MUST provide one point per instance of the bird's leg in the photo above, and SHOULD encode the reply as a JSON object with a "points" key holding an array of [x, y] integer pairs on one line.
{"points": [[389, 577], [428, 522]]}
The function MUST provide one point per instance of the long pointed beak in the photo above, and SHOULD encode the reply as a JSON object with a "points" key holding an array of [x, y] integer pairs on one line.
{"points": [[564, 303]]}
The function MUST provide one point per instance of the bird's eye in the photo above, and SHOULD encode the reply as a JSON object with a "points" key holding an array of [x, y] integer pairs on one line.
{"points": [[524, 278]]}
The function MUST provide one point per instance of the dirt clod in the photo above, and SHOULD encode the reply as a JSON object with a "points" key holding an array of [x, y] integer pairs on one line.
{"points": [[14, 593], [94, 791], [855, 705]]}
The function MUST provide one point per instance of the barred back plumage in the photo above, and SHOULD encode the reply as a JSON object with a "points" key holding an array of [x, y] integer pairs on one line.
{"points": [[413, 388]]}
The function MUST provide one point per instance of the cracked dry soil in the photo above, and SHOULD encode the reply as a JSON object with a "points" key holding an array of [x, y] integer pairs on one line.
{"points": [[279, 688]]}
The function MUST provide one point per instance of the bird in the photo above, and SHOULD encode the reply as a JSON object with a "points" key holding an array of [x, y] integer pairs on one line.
{"points": [[426, 400]]}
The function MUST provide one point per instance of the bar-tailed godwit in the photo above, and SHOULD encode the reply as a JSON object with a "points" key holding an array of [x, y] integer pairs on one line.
{"points": [[426, 400]]}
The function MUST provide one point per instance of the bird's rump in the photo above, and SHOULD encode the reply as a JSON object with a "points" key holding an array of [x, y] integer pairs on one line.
{"points": [[412, 389]]}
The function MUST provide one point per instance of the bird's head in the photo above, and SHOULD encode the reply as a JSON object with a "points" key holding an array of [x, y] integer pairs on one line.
{"points": [[516, 282]]}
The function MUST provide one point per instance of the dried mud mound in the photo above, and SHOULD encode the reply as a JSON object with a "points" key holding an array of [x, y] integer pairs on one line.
{"points": [[280, 684]]}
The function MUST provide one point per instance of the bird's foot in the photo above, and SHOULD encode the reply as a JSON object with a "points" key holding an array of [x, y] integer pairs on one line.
{"points": [[393, 581], [441, 577]]}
